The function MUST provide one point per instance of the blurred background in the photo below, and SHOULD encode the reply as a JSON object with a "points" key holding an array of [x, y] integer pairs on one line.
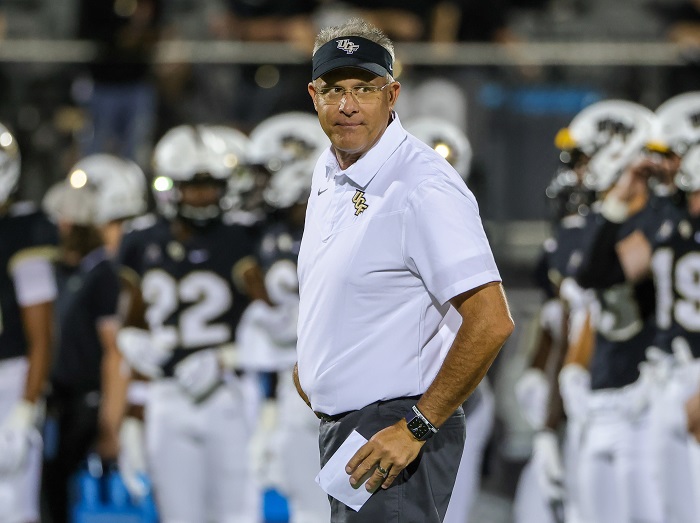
{"points": [[85, 76]]}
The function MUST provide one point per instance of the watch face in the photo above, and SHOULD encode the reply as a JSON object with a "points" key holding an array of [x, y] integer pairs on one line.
{"points": [[419, 429]]}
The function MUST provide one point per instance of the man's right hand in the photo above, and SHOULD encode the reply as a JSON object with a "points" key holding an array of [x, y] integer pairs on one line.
{"points": [[297, 385]]}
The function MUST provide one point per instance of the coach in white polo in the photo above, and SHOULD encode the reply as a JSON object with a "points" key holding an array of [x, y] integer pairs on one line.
{"points": [[402, 310]]}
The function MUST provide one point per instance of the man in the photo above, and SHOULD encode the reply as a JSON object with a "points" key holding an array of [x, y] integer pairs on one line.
{"points": [[452, 144], [194, 271], [27, 293], [88, 386], [630, 246], [285, 445], [401, 307]]}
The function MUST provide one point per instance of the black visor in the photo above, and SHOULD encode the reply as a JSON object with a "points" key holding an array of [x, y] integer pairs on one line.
{"points": [[351, 51]]}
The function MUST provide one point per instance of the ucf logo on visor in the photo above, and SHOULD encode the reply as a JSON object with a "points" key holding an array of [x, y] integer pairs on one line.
{"points": [[348, 46]]}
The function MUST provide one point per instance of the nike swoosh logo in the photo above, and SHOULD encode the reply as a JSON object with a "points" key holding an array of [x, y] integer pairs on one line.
{"points": [[320, 192]]}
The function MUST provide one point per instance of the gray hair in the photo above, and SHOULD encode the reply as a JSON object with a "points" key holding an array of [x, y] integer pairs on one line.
{"points": [[355, 27]]}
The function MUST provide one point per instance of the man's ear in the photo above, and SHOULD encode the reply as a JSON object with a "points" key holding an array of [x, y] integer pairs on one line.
{"points": [[312, 93], [394, 90]]}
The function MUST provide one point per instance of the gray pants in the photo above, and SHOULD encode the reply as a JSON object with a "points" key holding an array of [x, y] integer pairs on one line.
{"points": [[421, 492]]}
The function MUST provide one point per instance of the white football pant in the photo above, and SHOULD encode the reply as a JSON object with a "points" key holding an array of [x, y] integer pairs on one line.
{"points": [[198, 455], [673, 446], [615, 478], [19, 493], [479, 426], [530, 504], [695, 467], [299, 458]]}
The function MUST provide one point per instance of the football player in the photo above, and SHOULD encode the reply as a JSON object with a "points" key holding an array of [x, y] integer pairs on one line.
{"points": [[614, 474], [676, 268], [86, 403], [27, 293], [643, 207], [453, 145], [195, 273], [285, 450], [538, 501]]}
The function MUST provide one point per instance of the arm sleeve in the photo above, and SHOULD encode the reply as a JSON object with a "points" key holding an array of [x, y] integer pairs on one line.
{"points": [[600, 267], [444, 241]]}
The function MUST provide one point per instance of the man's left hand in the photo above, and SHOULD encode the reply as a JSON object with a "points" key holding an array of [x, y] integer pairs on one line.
{"points": [[383, 457]]}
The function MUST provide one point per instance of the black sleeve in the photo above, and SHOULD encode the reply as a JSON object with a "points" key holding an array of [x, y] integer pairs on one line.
{"points": [[600, 267], [106, 295], [540, 275], [129, 253]]}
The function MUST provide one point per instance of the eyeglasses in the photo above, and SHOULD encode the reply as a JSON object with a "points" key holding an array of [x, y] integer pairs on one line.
{"points": [[362, 93]]}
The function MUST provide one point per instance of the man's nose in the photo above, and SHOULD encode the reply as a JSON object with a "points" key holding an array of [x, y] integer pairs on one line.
{"points": [[348, 103]]}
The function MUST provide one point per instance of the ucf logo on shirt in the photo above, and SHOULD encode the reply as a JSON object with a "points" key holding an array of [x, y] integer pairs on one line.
{"points": [[360, 202]]}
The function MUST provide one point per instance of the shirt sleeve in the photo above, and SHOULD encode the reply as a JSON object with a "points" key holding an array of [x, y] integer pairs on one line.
{"points": [[444, 240], [34, 281], [106, 297]]}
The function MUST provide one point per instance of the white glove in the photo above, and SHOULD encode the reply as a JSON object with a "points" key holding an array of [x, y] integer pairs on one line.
{"points": [[549, 470], [143, 351], [681, 385], [575, 388], [132, 458], [658, 365], [17, 435], [532, 392], [262, 446], [687, 366], [200, 373]]}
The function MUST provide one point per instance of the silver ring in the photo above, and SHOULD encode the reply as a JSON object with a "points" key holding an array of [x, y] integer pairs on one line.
{"points": [[384, 472]]}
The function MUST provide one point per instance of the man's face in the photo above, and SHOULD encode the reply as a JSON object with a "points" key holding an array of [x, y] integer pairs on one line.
{"points": [[661, 166], [353, 126], [201, 194]]}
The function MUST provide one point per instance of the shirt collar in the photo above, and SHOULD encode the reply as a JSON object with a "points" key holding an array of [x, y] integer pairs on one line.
{"points": [[366, 168]]}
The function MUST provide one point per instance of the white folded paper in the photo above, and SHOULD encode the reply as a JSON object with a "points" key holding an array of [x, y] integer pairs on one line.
{"points": [[336, 482]]}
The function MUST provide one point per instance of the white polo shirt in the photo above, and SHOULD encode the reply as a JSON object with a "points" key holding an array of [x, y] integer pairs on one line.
{"points": [[387, 243]]}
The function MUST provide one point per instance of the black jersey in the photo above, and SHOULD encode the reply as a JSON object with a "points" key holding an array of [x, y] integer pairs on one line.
{"points": [[676, 267], [24, 232], [659, 212], [191, 289], [561, 253], [625, 323], [280, 241], [86, 294]]}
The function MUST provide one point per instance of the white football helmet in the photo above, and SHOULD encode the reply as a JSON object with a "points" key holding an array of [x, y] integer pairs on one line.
{"points": [[190, 154], [287, 145], [236, 148], [10, 163], [678, 124], [64, 202], [447, 139], [688, 177], [120, 186], [188, 150], [612, 133]]}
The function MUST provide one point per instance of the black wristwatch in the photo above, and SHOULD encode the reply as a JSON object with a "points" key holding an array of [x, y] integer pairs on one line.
{"points": [[419, 425]]}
